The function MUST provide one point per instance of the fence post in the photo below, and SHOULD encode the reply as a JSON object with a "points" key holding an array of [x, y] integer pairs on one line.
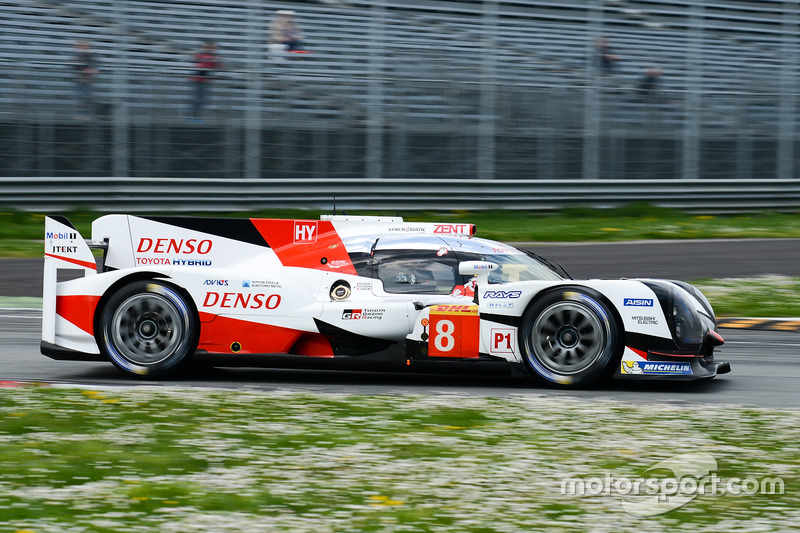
{"points": [[788, 88], [694, 84], [120, 135], [591, 101], [487, 128], [254, 71], [45, 144], [374, 139]]}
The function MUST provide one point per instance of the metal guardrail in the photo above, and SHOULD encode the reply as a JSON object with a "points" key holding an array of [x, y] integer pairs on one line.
{"points": [[220, 195]]}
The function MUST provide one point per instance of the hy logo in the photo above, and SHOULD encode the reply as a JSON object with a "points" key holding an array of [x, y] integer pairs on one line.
{"points": [[305, 232]]}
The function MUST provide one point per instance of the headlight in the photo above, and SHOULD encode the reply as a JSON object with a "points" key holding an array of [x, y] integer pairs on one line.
{"points": [[679, 308], [685, 323], [694, 291]]}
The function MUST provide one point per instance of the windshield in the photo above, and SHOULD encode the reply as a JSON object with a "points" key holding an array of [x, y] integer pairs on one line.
{"points": [[514, 267]]}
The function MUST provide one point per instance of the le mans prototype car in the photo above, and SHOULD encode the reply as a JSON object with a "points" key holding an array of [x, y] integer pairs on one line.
{"points": [[170, 290]]}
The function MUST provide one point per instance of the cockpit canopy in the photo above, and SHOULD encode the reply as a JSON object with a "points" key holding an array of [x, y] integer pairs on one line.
{"points": [[428, 264]]}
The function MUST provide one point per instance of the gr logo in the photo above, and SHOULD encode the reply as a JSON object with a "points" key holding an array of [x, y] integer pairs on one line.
{"points": [[305, 232]]}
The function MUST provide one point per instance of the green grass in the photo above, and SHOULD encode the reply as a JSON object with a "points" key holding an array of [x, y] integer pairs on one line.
{"points": [[21, 233], [766, 296], [149, 459]]}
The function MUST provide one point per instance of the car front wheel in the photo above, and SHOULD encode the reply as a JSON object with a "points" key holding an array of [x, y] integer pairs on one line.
{"points": [[570, 337]]}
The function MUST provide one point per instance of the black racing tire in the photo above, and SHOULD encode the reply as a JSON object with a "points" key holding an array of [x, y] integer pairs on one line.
{"points": [[148, 329], [570, 337]]}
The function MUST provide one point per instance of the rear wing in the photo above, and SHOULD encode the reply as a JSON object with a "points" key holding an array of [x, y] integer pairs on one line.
{"points": [[347, 225], [67, 255]]}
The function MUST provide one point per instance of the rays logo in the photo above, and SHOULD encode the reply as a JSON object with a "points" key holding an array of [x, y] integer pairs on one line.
{"points": [[502, 294]]}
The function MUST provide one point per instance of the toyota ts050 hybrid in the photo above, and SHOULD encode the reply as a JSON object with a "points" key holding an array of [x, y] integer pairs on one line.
{"points": [[239, 291]]}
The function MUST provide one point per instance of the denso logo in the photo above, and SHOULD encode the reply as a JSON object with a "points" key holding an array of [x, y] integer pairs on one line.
{"points": [[237, 300], [502, 294], [451, 228], [638, 302], [305, 232], [174, 246], [51, 235], [218, 282]]}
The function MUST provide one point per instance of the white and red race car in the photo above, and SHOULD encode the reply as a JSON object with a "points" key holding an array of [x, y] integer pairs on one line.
{"points": [[239, 291]]}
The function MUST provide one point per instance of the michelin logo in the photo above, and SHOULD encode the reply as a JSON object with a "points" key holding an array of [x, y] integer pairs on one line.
{"points": [[657, 368], [638, 302]]}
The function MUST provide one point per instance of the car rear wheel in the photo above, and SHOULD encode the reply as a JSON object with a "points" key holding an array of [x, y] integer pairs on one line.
{"points": [[570, 337], [148, 329]]}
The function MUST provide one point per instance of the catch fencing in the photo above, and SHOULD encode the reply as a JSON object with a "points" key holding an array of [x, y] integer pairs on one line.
{"points": [[414, 104], [341, 195]]}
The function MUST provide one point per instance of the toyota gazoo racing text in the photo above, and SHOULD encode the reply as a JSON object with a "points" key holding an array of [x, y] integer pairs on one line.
{"points": [[170, 290]]}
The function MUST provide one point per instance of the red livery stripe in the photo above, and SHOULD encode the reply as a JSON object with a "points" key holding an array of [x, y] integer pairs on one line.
{"points": [[78, 309], [219, 333], [84, 264], [306, 243]]}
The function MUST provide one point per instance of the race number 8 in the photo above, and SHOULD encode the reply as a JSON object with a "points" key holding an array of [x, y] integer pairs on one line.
{"points": [[444, 340]]}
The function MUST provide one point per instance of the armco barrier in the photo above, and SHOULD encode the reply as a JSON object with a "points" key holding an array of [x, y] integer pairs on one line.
{"points": [[185, 194]]}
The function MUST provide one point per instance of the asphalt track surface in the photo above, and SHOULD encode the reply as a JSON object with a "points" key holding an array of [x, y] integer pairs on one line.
{"points": [[766, 364], [766, 371]]}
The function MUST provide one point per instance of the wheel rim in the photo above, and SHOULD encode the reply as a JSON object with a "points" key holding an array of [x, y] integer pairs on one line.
{"points": [[568, 338], [147, 329]]}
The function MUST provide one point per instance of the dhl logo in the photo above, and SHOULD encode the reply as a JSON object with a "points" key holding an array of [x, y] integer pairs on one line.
{"points": [[454, 310]]}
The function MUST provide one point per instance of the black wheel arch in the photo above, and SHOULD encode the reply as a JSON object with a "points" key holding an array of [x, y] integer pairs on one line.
{"points": [[132, 278], [592, 292]]}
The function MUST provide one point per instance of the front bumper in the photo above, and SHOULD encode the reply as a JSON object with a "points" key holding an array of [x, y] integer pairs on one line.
{"points": [[677, 369]]}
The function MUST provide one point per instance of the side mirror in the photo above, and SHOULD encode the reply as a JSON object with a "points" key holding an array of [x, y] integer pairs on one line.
{"points": [[480, 269]]}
